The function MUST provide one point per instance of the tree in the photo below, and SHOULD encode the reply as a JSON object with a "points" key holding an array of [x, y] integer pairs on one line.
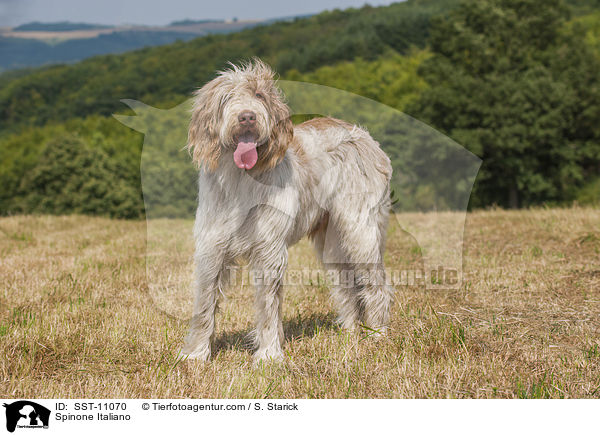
{"points": [[508, 82], [72, 177]]}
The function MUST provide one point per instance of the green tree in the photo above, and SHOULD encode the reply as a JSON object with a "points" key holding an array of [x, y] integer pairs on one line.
{"points": [[391, 79], [511, 84], [72, 177]]}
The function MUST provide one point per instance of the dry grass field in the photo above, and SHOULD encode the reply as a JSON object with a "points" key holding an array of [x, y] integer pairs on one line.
{"points": [[78, 319]]}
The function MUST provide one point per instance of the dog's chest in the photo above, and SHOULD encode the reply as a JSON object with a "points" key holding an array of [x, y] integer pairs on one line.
{"points": [[242, 212]]}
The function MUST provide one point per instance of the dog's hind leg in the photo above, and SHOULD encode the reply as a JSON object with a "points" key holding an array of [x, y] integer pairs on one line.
{"points": [[376, 295], [209, 283], [355, 244], [327, 241]]}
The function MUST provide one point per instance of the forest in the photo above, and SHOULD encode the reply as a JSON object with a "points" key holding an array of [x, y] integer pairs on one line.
{"points": [[514, 82]]}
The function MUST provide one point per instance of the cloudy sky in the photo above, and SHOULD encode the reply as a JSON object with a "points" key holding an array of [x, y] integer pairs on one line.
{"points": [[156, 12]]}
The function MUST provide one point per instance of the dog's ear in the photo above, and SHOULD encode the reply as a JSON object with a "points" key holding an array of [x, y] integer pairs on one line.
{"points": [[203, 135], [282, 135]]}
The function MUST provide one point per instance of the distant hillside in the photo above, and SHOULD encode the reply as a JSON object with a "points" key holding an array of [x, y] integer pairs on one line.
{"points": [[62, 26], [190, 22], [37, 44], [21, 52]]}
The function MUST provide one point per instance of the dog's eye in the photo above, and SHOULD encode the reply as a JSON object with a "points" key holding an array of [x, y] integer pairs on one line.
{"points": [[260, 95]]}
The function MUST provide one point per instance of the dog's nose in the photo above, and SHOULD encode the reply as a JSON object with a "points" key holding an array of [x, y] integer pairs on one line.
{"points": [[247, 117]]}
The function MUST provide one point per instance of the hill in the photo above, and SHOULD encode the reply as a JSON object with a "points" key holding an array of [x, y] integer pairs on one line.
{"points": [[96, 85], [62, 26], [36, 44], [27, 52], [42, 106], [410, 55]]}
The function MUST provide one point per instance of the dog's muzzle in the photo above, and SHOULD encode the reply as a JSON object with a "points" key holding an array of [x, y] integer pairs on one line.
{"points": [[245, 156]]}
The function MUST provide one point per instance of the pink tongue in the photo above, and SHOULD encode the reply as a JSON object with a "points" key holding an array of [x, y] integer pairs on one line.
{"points": [[245, 156]]}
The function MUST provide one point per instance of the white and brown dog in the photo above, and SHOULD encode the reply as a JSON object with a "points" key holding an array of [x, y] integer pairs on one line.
{"points": [[264, 184]]}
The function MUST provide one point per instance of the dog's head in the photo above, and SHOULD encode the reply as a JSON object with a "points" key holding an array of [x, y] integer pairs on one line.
{"points": [[240, 113]]}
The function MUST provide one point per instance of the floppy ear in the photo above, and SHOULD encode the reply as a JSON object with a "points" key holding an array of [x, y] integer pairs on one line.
{"points": [[203, 136], [282, 134]]}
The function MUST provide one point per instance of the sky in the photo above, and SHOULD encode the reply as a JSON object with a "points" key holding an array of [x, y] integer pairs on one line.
{"points": [[160, 12]]}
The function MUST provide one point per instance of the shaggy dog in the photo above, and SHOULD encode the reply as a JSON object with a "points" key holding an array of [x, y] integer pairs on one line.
{"points": [[263, 185]]}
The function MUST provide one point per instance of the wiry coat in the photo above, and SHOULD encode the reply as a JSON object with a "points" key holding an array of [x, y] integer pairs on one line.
{"points": [[324, 178]]}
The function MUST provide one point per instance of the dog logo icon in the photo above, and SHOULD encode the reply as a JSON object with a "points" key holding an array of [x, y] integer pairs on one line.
{"points": [[26, 414]]}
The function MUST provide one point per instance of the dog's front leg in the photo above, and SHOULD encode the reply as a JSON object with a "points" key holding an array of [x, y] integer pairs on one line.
{"points": [[268, 276], [210, 279]]}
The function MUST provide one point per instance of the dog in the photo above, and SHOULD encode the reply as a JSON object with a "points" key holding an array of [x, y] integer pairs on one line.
{"points": [[263, 185]]}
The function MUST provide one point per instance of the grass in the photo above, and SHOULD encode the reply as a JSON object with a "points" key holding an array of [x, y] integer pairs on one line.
{"points": [[79, 317]]}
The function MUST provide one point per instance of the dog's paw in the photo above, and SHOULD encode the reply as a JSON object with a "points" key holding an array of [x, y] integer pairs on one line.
{"points": [[266, 356], [202, 354], [377, 333]]}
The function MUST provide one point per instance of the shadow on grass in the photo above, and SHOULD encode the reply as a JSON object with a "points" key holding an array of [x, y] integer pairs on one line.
{"points": [[294, 329], [310, 326]]}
